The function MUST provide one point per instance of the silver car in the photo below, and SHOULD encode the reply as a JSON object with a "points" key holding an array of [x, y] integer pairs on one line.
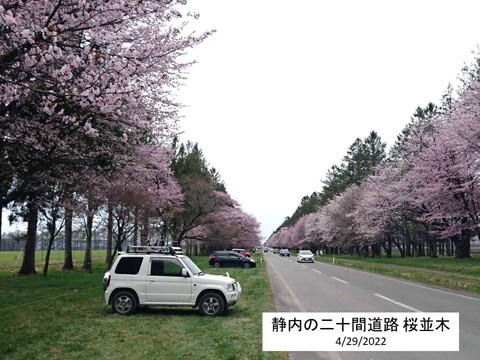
{"points": [[305, 256]]}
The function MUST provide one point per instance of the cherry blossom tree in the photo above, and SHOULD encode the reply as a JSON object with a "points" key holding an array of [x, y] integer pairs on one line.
{"points": [[201, 202], [385, 214], [79, 80], [231, 227], [298, 233], [282, 238], [447, 171], [144, 189], [313, 236]]}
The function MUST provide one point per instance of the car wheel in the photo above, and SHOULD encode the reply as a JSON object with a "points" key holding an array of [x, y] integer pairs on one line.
{"points": [[246, 265], [216, 264], [124, 303], [211, 304]]}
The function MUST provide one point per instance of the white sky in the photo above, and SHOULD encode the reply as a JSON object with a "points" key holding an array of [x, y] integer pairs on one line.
{"points": [[283, 88]]}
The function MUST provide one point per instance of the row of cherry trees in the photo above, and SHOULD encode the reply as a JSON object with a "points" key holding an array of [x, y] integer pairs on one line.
{"points": [[209, 216], [423, 199], [87, 117]]}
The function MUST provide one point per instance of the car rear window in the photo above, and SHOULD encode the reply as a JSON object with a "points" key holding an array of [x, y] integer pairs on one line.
{"points": [[129, 265]]}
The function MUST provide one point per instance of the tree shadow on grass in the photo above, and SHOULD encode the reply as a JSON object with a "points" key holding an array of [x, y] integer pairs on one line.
{"points": [[167, 310], [177, 311]]}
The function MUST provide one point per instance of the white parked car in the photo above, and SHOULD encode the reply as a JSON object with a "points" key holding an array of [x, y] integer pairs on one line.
{"points": [[305, 256], [147, 275]]}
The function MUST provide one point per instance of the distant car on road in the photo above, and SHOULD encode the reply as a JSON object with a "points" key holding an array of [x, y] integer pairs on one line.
{"points": [[305, 256], [242, 252], [230, 259], [276, 251], [284, 252]]}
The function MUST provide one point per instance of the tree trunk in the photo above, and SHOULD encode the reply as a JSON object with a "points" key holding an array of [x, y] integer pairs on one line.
{"points": [[400, 247], [408, 247], [366, 251], [135, 227], [1, 213], [87, 262], [28, 265], [108, 258], [448, 247], [389, 246], [433, 248], [463, 245], [51, 238], [144, 232], [119, 240], [68, 260]]}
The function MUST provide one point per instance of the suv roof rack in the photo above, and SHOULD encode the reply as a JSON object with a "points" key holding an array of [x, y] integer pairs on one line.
{"points": [[147, 249]]}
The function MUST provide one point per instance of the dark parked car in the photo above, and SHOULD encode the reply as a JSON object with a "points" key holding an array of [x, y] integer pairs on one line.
{"points": [[230, 259], [284, 252]]}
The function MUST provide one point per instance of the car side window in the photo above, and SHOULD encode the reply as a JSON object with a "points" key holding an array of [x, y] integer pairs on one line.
{"points": [[129, 265], [157, 268], [165, 267]]}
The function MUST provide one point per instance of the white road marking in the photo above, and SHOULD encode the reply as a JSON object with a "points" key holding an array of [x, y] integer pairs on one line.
{"points": [[304, 266], [317, 271], [397, 303], [343, 281], [404, 282]]}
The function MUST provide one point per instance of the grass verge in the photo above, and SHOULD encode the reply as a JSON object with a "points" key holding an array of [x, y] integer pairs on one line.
{"points": [[64, 316], [451, 273], [13, 259]]}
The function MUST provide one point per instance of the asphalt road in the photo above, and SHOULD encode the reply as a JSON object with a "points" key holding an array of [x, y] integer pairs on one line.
{"points": [[320, 287]]}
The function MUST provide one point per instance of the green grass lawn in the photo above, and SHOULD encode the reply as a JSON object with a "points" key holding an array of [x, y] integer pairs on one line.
{"points": [[63, 316], [13, 259], [448, 272]]}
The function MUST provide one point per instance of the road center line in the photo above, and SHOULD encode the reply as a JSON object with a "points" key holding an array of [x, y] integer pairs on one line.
{"points": [[397, 303], [317, 271], [343, 281]]}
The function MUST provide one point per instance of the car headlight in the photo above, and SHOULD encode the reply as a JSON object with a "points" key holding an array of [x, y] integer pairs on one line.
{"points": [[231, 287]]}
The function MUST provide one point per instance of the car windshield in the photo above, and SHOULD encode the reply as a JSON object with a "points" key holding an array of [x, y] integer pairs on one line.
{"points": [[305, 252], [192, 266]]}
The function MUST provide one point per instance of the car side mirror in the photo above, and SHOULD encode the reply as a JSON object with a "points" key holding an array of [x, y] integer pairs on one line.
{"points": [[185, 273]]}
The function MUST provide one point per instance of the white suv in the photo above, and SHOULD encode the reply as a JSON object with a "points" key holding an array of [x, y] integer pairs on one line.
{"points": [[150, 276]]}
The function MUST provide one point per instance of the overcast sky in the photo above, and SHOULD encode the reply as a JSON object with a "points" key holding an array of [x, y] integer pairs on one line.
{"points": [[283, 88]]}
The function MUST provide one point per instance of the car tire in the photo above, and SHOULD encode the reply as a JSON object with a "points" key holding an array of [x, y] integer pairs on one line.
{"points": [[216, 264], [211, 304], [246, 265], [124, 303]]}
